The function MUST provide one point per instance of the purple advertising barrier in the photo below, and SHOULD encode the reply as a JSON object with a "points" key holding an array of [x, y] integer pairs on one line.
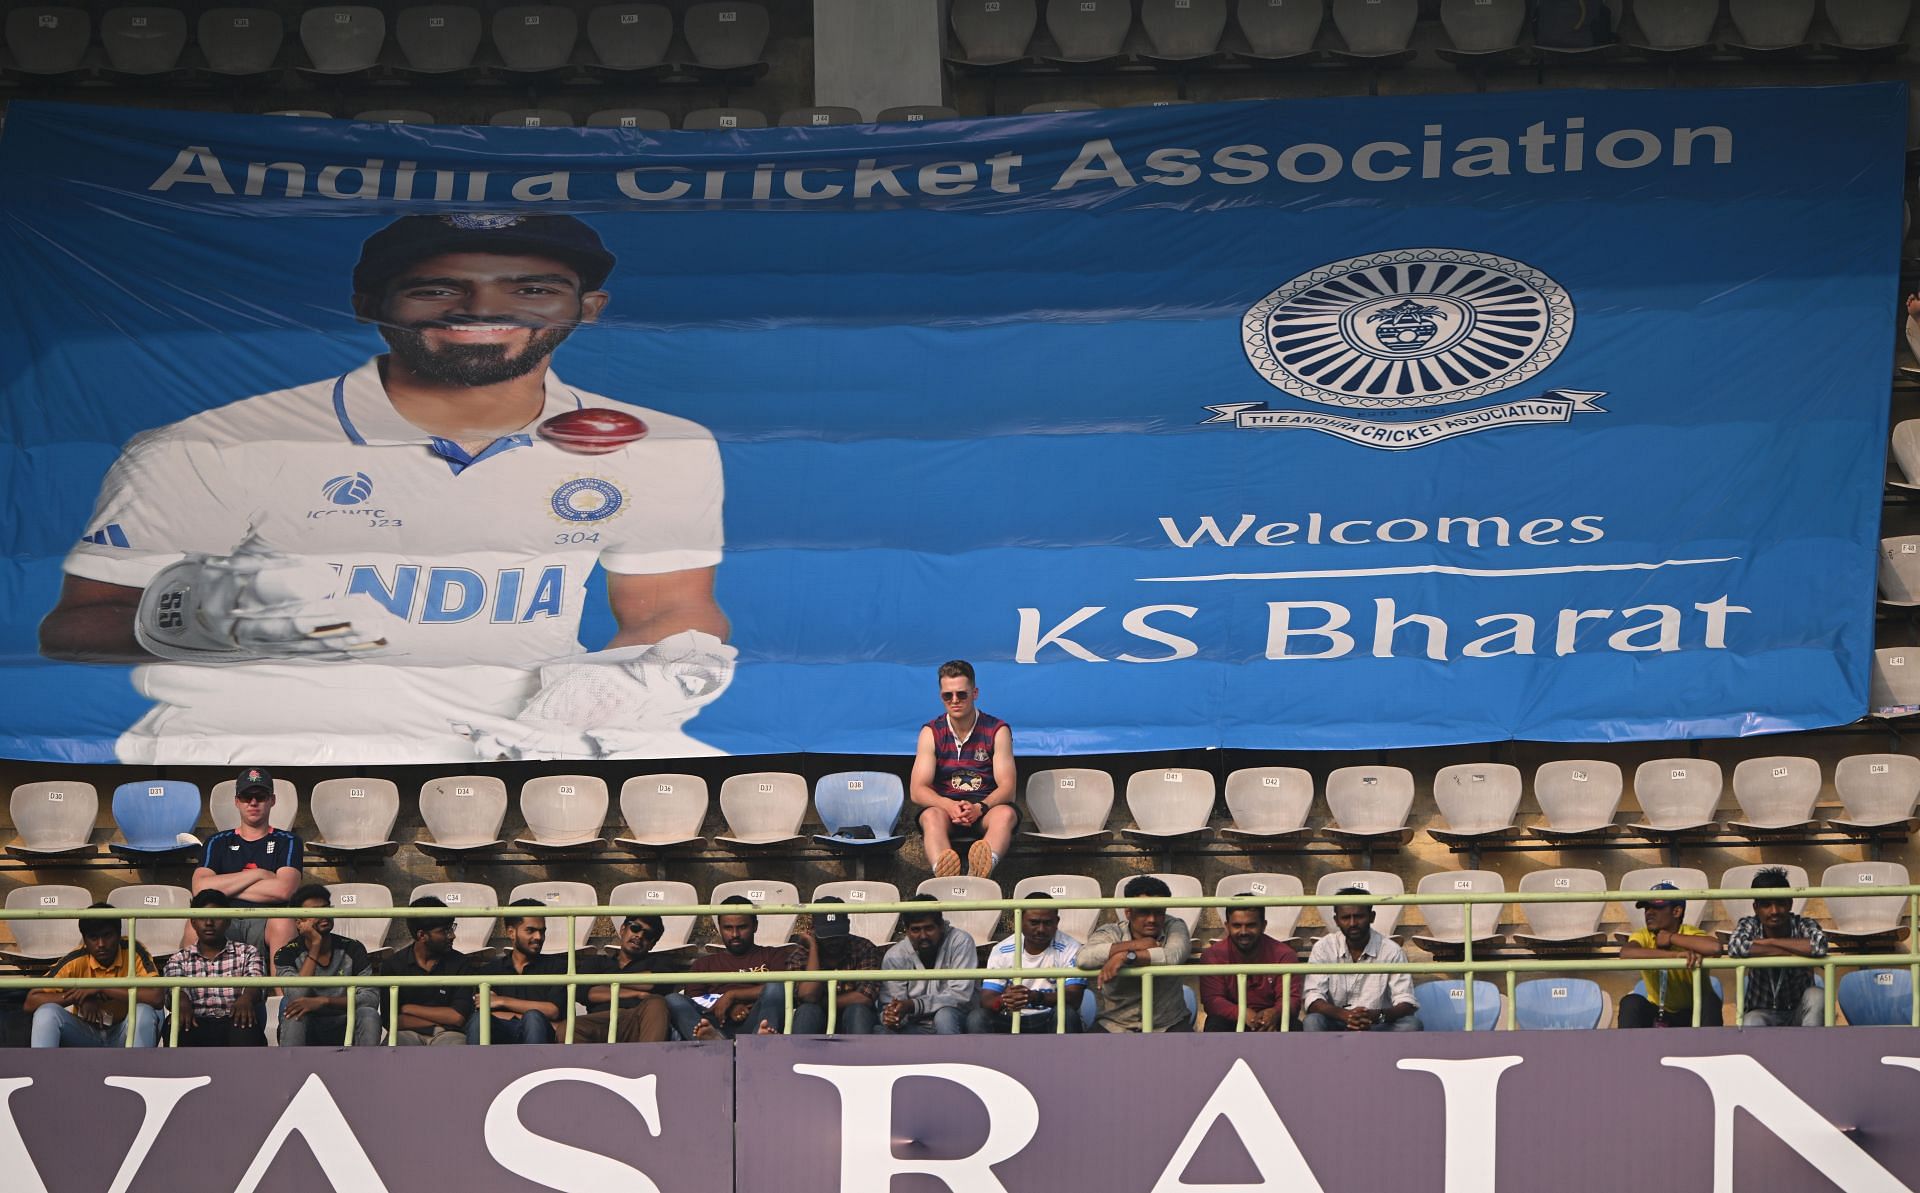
{"points": [[638, 1119], [1763, 1111]]}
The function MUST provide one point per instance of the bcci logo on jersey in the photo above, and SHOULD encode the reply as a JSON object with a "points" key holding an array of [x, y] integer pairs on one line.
{"points": [[1406, 330], [587, 499]]}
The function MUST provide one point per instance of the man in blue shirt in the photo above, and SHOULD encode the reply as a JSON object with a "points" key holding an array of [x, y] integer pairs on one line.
{"points": [[253, 865]]}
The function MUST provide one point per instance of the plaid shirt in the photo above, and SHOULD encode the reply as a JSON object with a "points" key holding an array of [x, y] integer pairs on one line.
{"points": [[237, 960], [1776, 990]]}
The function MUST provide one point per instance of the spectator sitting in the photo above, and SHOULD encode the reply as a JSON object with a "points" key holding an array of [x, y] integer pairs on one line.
{"points": [[430, 1014], [1667, 934], [318, 1014], [524, 1014], [218, 1016], [90, 1016], [1779, 997], [710, 1011], [963, 778], [1147, 936], [643, 1007], [1035, 1000], [831, 945], [254, 865], [1358, 1001], [925, 1006], [1247, 943]]}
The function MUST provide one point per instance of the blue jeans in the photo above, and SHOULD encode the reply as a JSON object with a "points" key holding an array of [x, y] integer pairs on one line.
{"points": [[947, 1021], [771, 1007], [859, 1019], [531, 1027], [54, 1026], [982, 1022], [1329, 1023]]}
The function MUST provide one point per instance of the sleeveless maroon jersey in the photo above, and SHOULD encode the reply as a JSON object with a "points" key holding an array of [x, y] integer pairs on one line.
{"points": [[964, 772]]}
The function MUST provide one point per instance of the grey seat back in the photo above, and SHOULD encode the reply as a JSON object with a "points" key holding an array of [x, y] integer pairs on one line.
{"points": [[143, 40], [630, 36], [1771, 24], [1281, 28], [717, 119], [343, 38], [535, 37], [1088, 29], [819, 117], [240, 41], [916, 114], [647, 118], [1483, 26], [1375, 27], [531, 118], [1676, 24], [1183, 28], [438, 38], [724, 34], [1869, 24], [994, 31], [48, 40]]}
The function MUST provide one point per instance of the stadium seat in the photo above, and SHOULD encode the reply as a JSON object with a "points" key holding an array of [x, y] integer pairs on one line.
{"points": [[1894, 690], [762, 808], [342, 39], [471, 933], [1269, 802], [647, 118], [1183, 886], [1282, 920], [993, 32], [915, 114], [711, 119], [143, 40], [464, 813], [1378, 883], [531, 118], [1481, 30], [354, 816], [678, 933], [1872, 915], [726, 35], [1676, 26], [1732, 911], [1877, 997], [1775, 793], [1447, 922], [155, 816], [371, 932], [1183, 30], [1077, 922], [1369, 804], [1561, 923], [48, 40], [564, 814], [1869, 25], [286, 806], [1478, 799], [1685, 878], [1088, 30], [43, 940], [1157, 103], [1060, 105], [394, 116], [774, 929], [1878, 792], [859, 810], [1560, 1004], [1770, 24], [301, 113], [240, 41], [1280, 29], [663, 811], [1090, 1013], [159, 897], [54, 819], [1677, 795], [876, 926], [437, 39], [1576, 29], [1169, 802], [630, 37], [1443, 1006], [561, 894], [1900, 570], [982, 925], [1579, 798], [819, 117], [1905, 441], [532, 38], [1375, 29], [1069, 804]]}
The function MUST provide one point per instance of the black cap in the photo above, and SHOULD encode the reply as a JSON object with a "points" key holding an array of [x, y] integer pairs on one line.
{"points": [[254, 778], [415, 238], [831, 925]]}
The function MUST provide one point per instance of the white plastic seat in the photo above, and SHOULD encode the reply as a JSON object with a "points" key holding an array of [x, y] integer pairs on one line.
{"points": [[157, 897], [774, 929], [1877, 791], [1579, 797], [286, 806], [915, 114], [763, 808], [1673, 25], [1483, 27], [1370, 804], [1088, 30], [53, 818], [44, 940], [561, 894], [1775, 793], [1375, 28], [1895, 687], [535, 37], [652, 119], [1900, 571], [725, 36], [993, 32], [344, 38], [1905, 440], [823, 116], [355, 815], [1683, 878], [629, 37], [563, 813], [1377, 883], [982, 925], [240, 41], [1771, 24], [876, 926], [1169, 802], [1077, 922], [463, 812], [1282, 919], [1676, 795], [677, 929], [1278, 31], [1732, 911], [471, 933], [1183, 886], [1268, 802], [1059, 105], [1478, 799], [1070, 804], [1446, 922], [662, 811], [371, 932], [1183, 30], [1869, 24], [723, 119], [1556, 923], [531, 118], [1870, 916]]}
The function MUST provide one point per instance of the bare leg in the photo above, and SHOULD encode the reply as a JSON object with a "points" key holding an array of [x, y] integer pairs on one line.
{"points": [[996, 837], [933, 829], [279, 936]]}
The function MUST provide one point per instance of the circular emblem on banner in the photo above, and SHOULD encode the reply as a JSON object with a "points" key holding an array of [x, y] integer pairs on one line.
{"points": [[482, 222], [587, 499], [1411, 327], [348, 490]]}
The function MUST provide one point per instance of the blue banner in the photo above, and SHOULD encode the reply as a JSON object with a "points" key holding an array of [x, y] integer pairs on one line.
{"points": [[1310, 424]]}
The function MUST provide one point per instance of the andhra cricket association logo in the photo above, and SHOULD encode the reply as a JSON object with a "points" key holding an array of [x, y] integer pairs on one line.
{"points": [[1395, 332]]}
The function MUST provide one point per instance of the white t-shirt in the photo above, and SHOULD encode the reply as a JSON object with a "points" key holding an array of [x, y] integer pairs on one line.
{"points": [[1059, 954], [473, 568]]}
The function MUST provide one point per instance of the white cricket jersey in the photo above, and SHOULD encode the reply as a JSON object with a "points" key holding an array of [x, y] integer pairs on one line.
{"points": [[473, 568], [1059, 955]]}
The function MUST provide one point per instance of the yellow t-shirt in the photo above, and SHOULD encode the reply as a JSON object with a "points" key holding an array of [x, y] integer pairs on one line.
{"points": [[84, 966], [1669, 989]]}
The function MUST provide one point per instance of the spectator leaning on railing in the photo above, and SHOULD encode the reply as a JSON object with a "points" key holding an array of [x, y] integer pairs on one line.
{"points": [[1146, 936], [1669, 998], [1779, 997], [90, 1016]]}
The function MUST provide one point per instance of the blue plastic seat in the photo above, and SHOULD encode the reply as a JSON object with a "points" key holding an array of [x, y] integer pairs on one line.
{"points": [[153, 814], [1559, 1004], [859, 809], [1443, 1006], [1877, 997]]}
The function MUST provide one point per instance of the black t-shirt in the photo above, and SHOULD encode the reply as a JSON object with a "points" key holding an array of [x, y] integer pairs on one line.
{"points": [[615, 963], [401, 964], [542, 964]]}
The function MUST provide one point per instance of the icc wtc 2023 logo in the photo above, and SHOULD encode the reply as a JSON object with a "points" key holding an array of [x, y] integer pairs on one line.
{"points": [[1408, 330]]}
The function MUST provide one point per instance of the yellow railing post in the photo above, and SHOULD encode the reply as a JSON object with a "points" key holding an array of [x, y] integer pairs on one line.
{"points": [[613, 1012], [1146, 1003], [393, 1016], [1240, 1023], [485, 1011], [1468, 959], [833, 1005]]}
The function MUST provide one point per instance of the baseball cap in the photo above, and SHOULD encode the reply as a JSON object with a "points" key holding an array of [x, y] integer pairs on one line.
{"points": [[831, 925], [415, 238], [254, 778], [1661, 886]]}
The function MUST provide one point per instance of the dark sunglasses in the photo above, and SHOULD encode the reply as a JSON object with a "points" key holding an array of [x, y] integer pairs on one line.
{"points": [[254, 797], [951, 697]]}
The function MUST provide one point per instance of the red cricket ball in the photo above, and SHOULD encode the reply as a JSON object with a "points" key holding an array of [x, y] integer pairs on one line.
{"points": [[592, 432]]}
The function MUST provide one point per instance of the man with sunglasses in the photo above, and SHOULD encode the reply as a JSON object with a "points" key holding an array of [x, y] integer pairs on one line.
{"points": [[1668, 1001], [963, 779], [253, 865]]}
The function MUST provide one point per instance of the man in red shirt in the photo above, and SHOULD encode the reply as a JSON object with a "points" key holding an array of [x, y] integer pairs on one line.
{"points": [[1247, 943], [729, 1009], [963, 779]]}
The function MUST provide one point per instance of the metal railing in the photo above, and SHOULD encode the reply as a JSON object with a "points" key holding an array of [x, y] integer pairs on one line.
{"points": [[1468, 965]]}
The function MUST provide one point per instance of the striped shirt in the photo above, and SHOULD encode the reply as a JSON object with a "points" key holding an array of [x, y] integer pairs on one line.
{"points": [[1777, 990], [1058, 955]]}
